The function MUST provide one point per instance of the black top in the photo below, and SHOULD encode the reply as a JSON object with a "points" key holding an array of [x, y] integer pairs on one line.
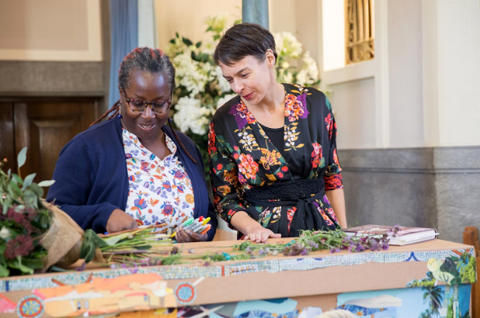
{"points": [[276, 137]]}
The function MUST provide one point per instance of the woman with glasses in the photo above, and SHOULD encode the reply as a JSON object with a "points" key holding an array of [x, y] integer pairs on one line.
{"points": [[274, 164], [132, 169]]}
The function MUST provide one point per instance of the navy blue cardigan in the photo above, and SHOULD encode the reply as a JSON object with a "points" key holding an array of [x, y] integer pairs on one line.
{"points": [[92, 179]]}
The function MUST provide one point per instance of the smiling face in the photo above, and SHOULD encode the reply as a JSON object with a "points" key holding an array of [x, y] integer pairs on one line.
{"points": [[150, 87], [251, 78]]}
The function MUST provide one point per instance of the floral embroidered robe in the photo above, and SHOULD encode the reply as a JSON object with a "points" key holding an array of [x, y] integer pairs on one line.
{"points": [[242, 157]]}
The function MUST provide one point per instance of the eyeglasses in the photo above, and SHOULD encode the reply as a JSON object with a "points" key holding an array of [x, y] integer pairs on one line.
{"points": [[139, 105]]}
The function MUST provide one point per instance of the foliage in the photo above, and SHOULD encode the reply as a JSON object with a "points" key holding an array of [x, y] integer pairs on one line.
{"points": [[23, 221], [144, 247], [201, 88], [131, 246], [468, 271], [450, 309]]}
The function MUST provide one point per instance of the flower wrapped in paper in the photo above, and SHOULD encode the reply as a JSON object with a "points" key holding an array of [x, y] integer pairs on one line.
{"points": [[34, 235]]}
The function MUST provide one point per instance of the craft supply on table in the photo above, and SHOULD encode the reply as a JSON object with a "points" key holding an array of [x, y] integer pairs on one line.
{"points": [[198, 225]]}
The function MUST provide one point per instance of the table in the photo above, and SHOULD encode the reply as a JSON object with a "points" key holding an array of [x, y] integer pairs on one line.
{"points": [[404, 281]]}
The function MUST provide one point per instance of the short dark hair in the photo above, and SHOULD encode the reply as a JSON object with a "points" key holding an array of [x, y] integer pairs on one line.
{"points": [[242, 40]]}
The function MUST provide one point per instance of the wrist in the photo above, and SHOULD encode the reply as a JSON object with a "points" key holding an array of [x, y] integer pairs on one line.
{"points": [[252, 227]]}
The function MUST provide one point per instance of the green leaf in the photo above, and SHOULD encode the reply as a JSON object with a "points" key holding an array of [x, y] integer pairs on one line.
{"points": [[17, 263], [187, 41], [46, 183], [237, 22], [37, 190], [22, 157], [28, 181], [90, 243], [208, 29], [143, 247], [17, 179], [30, 199], [172, 41], [176, 35], [198, 44], [9, 173], [33, 263], [112, 240], [15, 189], [44, 221], [4, 271]]}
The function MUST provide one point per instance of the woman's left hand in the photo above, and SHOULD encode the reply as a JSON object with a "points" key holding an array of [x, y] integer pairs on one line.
{"points": [[185, 236]]}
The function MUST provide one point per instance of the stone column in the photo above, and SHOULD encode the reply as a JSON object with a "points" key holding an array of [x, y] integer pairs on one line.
{"points": [[255, 11]]}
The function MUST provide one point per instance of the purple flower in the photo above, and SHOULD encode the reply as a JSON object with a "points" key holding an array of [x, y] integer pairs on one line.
{"points": [[335, 250], [82, 267], [179, 174], [168, 209], [303, 104], [140, 203], [240, 118], [312, 244]]}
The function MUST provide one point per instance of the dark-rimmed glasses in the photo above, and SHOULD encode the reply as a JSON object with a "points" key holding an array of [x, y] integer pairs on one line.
{"points": [[139, 105]]}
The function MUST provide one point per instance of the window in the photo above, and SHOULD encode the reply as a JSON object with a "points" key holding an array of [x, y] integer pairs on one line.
{"points": [[359, 36]]}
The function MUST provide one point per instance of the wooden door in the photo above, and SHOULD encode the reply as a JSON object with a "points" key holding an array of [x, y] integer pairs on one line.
{"points": [[44, 126], [7, 136]]}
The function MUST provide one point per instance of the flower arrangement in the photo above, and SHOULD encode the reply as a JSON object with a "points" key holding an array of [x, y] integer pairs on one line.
{"points": [[201, 88], [33, 234], [23, 221]]}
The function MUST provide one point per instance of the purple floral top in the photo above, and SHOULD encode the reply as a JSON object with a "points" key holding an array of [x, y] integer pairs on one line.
{"points": [[160, 191]]}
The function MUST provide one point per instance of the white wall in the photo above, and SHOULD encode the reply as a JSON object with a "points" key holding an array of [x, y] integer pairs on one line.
{"points": [[456, 29], [405, 73], [354, 106]]}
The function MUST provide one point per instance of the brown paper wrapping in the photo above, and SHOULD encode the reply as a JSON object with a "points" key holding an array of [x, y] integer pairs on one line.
{"points": [[63, 240]]}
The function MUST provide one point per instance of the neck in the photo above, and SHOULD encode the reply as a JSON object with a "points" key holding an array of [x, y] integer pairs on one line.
{"points": [[273, 99]]}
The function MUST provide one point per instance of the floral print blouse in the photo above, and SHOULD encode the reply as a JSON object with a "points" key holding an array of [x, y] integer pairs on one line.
{"points": [[242, 157], [160, 191]]}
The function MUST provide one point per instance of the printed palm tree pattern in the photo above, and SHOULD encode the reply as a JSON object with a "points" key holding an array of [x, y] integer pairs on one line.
{"points": [[452, 271], [242, 156]]}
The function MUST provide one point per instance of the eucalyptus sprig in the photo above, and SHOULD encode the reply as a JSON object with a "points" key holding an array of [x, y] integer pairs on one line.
{"points": [[16, 191]]}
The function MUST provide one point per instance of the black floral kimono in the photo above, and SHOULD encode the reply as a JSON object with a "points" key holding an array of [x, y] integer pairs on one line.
{"points": [[244, 160]]}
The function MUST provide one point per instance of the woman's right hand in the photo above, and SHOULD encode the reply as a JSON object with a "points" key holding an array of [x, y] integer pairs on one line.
{"points": [[260, 234], [252, 229], [120, 221]]}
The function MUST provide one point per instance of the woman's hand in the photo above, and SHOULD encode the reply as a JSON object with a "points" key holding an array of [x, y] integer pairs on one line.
{"points": [[252, 229], [120, 221], [261, 235], [185, 236]]}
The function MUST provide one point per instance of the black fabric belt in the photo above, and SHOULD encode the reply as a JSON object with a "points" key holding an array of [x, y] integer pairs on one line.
{"points": [[300, 193]]}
